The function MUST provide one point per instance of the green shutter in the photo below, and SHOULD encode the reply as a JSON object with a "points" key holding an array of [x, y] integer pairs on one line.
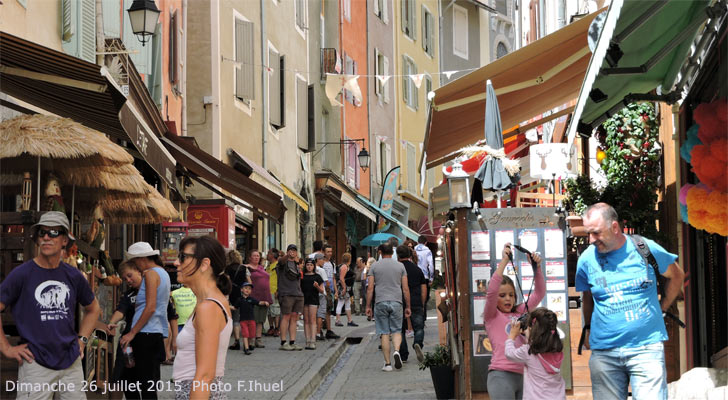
{"points": [[413, 19], [154, 81], [68, 8], [87, 50], [112, 12], [403, 16]]}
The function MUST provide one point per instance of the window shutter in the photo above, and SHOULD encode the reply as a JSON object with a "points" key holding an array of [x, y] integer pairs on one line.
{"points": [[388, 158], [311, 120], [378, 153], [112, 21], [385, 11], [172, 64], [405, 80], [377, 11], [385, 71], [302, 113], [87, 50], [154, 82], [405, 24], [415, 91], [377, 71], [413, 19], [244, 72], [424, 28], [274, 88], [67, 25], [411, 168], [282, 86]]}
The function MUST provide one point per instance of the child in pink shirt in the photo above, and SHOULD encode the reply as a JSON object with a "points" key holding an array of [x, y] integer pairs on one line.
{"points": [[505, 377], [542, 356]]}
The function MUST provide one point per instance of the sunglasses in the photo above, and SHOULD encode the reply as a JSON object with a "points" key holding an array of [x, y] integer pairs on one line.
{"points": [[184, 256], [52, 233]]}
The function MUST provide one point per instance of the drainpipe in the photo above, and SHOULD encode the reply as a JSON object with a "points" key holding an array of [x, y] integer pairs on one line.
{"points": [[264, 76], [100, 39], [183, 78]]}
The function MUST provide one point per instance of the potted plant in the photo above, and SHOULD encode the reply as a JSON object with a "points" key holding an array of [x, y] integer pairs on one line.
{"points": [[443, 378]]}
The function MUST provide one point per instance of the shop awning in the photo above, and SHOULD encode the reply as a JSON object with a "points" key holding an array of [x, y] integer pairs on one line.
{"points": [[530, 81], [73, 88], [643, 46], [406, 231], [352, 202], [255, 171], [295, 197], [226, 177]]}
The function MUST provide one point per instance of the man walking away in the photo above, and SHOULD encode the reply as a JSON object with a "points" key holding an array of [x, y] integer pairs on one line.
{"points": [[621, 302], [417, 289], [44, 294], [290, 296], [426, 264], [331, 291], [390, 279]]}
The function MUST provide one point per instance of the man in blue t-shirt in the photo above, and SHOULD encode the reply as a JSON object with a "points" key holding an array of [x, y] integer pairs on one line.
{"points": [[43, 294], [623, 316]]}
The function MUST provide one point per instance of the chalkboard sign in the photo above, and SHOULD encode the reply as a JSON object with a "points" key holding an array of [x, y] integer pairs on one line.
{"points": [[536, 229]]}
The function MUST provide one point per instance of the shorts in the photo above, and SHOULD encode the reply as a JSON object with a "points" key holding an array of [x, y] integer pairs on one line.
{"points": [[36, 375], [260, 314], [388, 317], [291, 304], [275, 309], [321, 313], [247, 329], [235, 314]]}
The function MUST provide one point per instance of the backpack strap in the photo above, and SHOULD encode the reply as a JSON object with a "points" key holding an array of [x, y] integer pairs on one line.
{"points": [[646, 253]]}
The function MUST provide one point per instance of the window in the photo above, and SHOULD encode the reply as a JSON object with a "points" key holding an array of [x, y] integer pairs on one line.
{"points": [[352, 164], [347, 9], [428, 32], [301, 20], [244, 71], [276, 89], [411, 168], [501, 7], [460, 31], [385, 161], [381, 67], [501, 50], [409, 90], [348, 69], [173, 48], [428, 89], [381, 10], [409, 18]]}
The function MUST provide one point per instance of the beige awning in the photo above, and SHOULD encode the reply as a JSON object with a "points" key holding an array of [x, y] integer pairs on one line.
{"points": [[530, 81]]}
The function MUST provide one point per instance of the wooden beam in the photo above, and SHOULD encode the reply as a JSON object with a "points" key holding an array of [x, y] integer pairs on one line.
{"points": [[24, 73]]}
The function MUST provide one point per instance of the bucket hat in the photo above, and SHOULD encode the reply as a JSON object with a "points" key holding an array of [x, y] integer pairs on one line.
{"points": [[292, 247], [141, 249], [54, 218]]}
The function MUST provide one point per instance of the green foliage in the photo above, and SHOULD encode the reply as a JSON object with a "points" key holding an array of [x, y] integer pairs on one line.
{"points": [[441, 356], [632, 167]]}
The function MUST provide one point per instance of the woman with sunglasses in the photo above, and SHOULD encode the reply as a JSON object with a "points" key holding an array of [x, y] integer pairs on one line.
{"points": [[202, 343]]}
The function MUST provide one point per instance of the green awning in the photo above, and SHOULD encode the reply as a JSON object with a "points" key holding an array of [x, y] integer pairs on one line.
{"points": [[642, 46], [406, 231]]}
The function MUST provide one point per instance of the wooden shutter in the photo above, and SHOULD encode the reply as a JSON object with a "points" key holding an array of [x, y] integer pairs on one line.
{"points": [[154, 82], [379, 160], [404, 10], [87, 45], [377, 71], [424, 28], [415, 90], [411, 168], [385, 71], [244, 72], [282, 86], [302, 113], [385, 11], [377, 10], [274, 88], [311, 120], [67, 25], [405, 79], [413, 19], [357, 169], [173, 61]]}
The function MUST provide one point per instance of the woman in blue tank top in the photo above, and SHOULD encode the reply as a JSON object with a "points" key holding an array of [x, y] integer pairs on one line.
{"points": [[149, 326]]}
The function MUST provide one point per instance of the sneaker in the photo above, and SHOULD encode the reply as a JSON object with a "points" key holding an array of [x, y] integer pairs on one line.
{"points": [[247, 352], [313, 344], [296, 347], [387, 368], [299, 323], [286, 347], [235, 346], [251, 347], [320, 338], [331, 335], [410, 333], [397, 360], [418, 351], [338, 323], [259, 343], [310, 346], [352, 323]]}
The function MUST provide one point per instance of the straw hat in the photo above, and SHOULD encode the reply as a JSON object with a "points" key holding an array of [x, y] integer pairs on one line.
{"points": [[140, 249]]}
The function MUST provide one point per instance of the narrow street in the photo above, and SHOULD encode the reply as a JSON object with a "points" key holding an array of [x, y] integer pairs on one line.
{"points": [[346, 368]]}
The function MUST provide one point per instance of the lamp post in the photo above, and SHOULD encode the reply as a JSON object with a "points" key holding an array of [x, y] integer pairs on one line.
{"points": [[143, 16], [458, 185], [363, 156]]}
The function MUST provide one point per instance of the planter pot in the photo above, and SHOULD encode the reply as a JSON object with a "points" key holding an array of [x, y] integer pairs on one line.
{"points": [[443, 379]]}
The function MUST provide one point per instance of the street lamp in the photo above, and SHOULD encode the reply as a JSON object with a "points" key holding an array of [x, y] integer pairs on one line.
{"points": [[363, 156], [143, 15], [458, 185]]}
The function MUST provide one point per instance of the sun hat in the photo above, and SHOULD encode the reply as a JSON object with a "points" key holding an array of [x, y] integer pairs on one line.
{"points": [[140, 249], [54, 218], [318, 256], [292, 247]]}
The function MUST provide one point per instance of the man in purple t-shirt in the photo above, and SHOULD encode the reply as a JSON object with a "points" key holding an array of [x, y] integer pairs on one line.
{"points": [[44, 293]]}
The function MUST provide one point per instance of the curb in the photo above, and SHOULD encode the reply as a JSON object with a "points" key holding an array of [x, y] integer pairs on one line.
{"points": [[317, 371], [343, 375]]}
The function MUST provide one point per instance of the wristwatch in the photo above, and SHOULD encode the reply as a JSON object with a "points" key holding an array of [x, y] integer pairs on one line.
{"points": [[83, 339]]}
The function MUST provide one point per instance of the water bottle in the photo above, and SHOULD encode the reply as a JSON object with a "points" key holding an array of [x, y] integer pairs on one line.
{"points": [[129, 357]]}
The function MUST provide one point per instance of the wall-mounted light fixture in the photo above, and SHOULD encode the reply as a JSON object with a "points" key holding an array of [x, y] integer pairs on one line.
{"points": [[143, 16], [363, 156]]}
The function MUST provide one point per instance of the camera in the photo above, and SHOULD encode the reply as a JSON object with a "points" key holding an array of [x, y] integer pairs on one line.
{"points": [[523, 319]]}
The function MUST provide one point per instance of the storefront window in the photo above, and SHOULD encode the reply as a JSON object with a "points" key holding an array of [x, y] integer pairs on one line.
{"points": [[273, 235]]}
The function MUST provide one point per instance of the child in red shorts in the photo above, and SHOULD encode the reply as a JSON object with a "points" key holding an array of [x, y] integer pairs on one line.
{"points": [[247, 318]]}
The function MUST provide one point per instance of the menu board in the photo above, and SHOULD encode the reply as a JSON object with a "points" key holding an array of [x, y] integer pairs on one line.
{"points": [[537, 230]]}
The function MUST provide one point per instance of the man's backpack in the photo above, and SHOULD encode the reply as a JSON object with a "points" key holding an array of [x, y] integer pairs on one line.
{"points": [[650, 260]]}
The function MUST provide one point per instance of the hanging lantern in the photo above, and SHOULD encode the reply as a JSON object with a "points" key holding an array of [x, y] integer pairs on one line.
{"points": [[27, 192], [601, 155]]}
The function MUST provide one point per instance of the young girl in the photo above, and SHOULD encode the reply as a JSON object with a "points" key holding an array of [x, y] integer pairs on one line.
{"points": [[505, 377], [311, 285], [542, 356]]}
